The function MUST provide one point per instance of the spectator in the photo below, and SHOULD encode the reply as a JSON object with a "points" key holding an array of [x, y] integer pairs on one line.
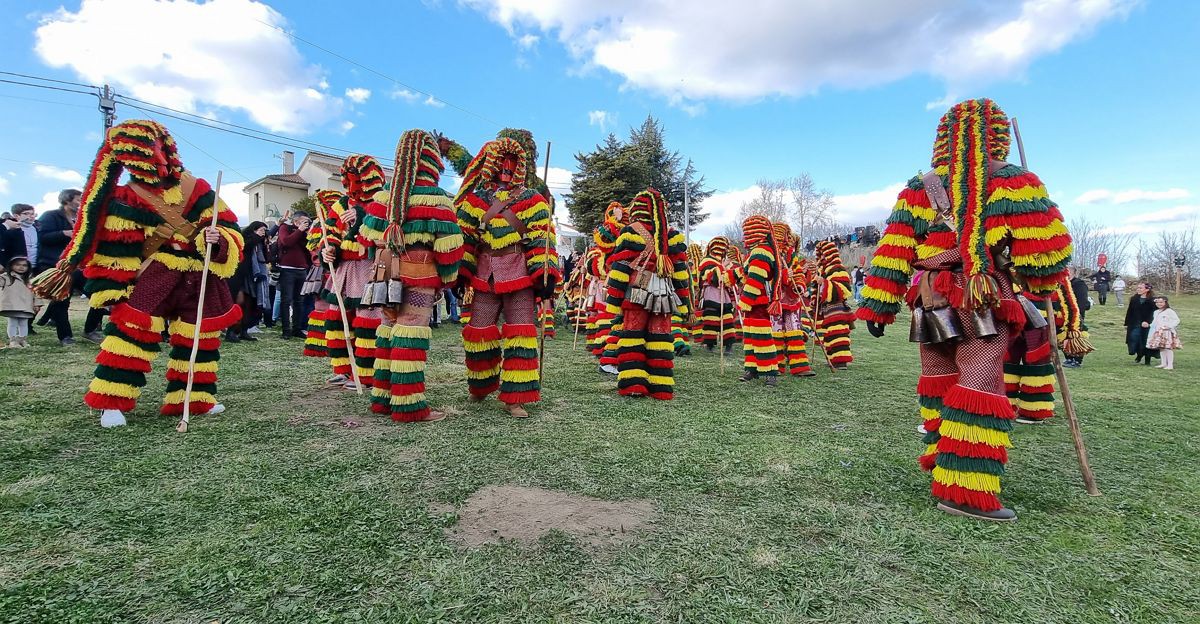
{"points": [[1079, 288], [451, 306], [54, 231], [1164, 335], [17, 301], [293, 260], [1137, 323], [860, 278], [249, 282], [1118, 289], [1103, 281], [19, 236]]}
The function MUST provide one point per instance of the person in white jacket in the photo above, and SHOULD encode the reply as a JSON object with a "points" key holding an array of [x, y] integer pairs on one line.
{"points": [[1163, 334], [1118, 288]]}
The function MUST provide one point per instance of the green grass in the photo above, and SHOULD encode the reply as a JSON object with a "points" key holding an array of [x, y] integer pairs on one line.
{"points": [[799, 504]]}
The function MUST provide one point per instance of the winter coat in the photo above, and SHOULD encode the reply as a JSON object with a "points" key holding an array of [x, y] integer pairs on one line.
{"points": [[16, 299]]}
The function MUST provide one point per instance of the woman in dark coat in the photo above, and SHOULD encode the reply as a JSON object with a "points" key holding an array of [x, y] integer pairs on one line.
{"points": [[249, 282], [1138, 317]]}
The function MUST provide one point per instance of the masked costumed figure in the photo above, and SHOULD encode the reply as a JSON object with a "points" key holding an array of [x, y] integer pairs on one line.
{"points": [[717, 283], [418, 246], [344, 246], [787, 327], [737, 280], [648, 283], [832, 313], [605, 237], [968, 225], [141, 247], [760, 300], [1028, 364], [315, 345], [510, 259]]}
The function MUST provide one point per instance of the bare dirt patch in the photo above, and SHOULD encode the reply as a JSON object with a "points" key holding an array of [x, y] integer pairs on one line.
{"points": [[526, 514]]}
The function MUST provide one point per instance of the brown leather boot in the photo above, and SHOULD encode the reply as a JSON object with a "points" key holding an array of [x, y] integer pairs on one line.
{"points": [[516, 410]]}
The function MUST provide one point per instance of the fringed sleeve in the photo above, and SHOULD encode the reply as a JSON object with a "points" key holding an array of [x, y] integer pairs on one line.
{"points": [[1018, 206], [892, 264], [469, 211], [681, 277], [628, 245], [760, 270], [540, 244]]}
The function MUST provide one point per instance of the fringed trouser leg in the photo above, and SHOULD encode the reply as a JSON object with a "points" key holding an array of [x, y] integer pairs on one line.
{"points": [[519, 379], [679, 335], [794, 356], [976, 418], [1029, 375], [204, 381], [365, 324], [402, 346], [335, 340], [608, 355], [835, 323], [546, 312], [130, 345], [761, 356], [314, 340], [938, 374]]}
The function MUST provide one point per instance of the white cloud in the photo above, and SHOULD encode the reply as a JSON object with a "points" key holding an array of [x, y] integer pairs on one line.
{"points": [[358, 95], [234, 195], [722, 209], [412, 97], [602, 118], [858, 209], [526, 42], [215, 54], [559, 181], [1106, 196], [1178, 214], [346, 126], [3, 185], [49, 202], [430, 101], [58, 173], [692, 50]]}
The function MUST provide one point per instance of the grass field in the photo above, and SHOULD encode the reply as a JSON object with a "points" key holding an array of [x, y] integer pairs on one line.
{"points": [[799, 504]]}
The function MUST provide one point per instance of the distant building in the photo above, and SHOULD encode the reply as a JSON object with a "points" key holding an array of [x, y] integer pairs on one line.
{"points": [[270, 196]]}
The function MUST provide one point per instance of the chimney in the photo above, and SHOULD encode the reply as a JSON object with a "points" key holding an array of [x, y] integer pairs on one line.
{"points": [[289, 162]]}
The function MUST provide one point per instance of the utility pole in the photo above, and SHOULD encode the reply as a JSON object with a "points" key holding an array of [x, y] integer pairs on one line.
{"points": [[108, 107], [687, 214]]}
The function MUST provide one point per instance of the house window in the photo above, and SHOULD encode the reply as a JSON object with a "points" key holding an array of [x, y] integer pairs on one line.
{"points": [[256, 200]]}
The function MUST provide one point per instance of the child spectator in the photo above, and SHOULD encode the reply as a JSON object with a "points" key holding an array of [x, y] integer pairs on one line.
{"points": [[17, 301], [1164, 335]]}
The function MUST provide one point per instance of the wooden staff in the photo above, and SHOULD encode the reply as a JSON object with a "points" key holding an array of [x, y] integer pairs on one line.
{"points": [[814, 313], [546, 266], [182, 427], [341, 303], [1089, 479]]}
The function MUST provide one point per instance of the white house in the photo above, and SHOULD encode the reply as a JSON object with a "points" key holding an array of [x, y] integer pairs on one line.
{"points": [[270, 196]]}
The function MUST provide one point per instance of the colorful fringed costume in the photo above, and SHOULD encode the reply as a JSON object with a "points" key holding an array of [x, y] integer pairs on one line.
{"points": [[648, 283], [737, 280], [315, 345], [717, 285], [787, 327], [510, 259], [833, 314], [967, 225], [605, 238], [760, 300], [141, 247], [362, 178], [417, 247], [1029, 365]]}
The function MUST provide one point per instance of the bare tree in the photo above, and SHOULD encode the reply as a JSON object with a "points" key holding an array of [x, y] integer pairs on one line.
{"points": [[733, 232], [770, 203], [811, 208], [1160, 254], [1091, 239]]}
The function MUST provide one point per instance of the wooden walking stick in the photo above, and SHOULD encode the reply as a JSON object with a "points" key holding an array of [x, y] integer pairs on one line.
{"points": [[546, 268], [182, 427], [814, 312], [347, 333], [1089, 479]]}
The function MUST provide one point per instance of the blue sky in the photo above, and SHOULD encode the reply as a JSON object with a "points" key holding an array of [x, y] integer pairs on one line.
{"points": [[851, 93]]}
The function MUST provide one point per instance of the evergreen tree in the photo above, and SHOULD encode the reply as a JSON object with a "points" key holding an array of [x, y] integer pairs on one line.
{"points": [[616, 171]]}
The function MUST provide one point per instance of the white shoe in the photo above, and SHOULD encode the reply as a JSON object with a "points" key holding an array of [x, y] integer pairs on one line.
{"points": [[254, 330], [336, 380], [610, 369], [112, 418], [349, 385], [219, 408]]}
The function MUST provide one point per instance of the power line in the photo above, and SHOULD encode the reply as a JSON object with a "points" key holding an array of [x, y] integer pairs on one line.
{"points": [[380, 74], [66, 82], [41, 86], [17, 97]]}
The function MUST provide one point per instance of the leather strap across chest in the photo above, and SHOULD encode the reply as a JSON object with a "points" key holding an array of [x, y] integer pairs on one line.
{"points": [[175, 222], [501, 209]]}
